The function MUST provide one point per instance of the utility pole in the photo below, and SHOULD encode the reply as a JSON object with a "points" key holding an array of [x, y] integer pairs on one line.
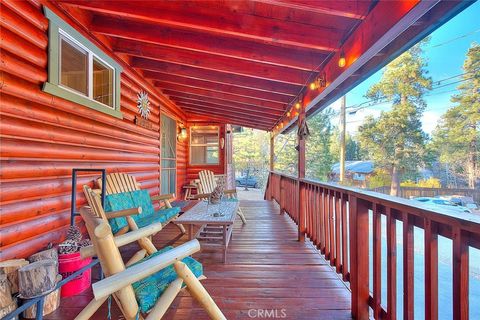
{"points": [[343, 129]]}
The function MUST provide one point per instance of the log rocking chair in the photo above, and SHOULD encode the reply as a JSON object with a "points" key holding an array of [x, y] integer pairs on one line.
{"points": [[147, 287], [208, 183], [123, 192]]}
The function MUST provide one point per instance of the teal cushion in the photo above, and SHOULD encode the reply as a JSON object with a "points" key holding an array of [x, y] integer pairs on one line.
{"points": [[115, 202], [148, 290], [167, 214], [141, 198], [144, 221]]}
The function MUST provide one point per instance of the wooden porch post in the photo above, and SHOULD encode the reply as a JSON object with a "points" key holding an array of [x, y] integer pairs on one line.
{"points": [[268, 192], [301, 175], [272, 152]]}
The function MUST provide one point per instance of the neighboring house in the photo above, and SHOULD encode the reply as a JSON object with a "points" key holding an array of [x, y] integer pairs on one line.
{"points": [[356, 172]]}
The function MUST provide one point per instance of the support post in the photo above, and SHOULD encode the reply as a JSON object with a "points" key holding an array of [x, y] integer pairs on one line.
{"points": [[301, 175], [343, 126], [272, 152]]}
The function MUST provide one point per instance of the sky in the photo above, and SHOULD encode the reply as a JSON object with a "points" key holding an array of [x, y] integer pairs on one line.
{"points": [[445, 55]]}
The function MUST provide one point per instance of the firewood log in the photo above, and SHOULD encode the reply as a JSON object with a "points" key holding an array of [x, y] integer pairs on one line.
{"points": [[5, 294], [10, 268], [37, 278], [50, 304], [49, 254], [6, 310]]}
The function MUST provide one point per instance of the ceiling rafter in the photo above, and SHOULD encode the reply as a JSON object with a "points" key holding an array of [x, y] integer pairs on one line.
{"points": [[298, 58], [214, 18]]}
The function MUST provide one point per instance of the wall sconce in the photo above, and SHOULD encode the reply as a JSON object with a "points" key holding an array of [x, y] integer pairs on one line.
{"points": [[181, 134]]}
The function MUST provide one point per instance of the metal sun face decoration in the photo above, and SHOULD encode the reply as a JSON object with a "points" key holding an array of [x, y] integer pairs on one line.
{"points": [[143, 104]]}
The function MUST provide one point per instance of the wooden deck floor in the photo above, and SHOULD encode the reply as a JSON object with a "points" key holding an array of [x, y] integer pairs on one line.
{"points": [[266, 269]]}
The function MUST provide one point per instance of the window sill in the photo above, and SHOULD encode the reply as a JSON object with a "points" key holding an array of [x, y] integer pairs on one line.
{"points": [[84, 101]]}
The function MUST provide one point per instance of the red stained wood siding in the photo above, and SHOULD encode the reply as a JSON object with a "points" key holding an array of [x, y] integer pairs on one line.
{"points": [[43, 137]]}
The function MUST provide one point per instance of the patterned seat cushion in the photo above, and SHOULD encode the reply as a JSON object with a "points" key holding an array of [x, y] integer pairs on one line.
{"points": [[148, 290], [141, 198], [115, 202], [167, 214]]}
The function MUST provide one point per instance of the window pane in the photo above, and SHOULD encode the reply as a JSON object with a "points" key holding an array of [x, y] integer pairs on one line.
{"points": [[204, 148], [74, 64], [198, 155], [102, 83]]}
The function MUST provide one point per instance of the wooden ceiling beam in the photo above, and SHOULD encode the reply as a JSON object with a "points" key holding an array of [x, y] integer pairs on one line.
{"points": [[158, 69], [221, 104], [212, 107], [222, 96], [243, 119], [346, 9], [297, 58], [214, 18], [211, 62], [242, 92], [201, 117]]}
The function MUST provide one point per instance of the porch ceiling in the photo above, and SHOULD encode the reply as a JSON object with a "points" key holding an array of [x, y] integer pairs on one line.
{"points": [[241, 62]]}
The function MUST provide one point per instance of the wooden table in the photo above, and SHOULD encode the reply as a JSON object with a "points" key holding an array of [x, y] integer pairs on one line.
{"points": [[215, 231]]}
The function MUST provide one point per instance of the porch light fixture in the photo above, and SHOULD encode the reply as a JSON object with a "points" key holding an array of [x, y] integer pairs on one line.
{"points": [[182, 134], [341, 60]]}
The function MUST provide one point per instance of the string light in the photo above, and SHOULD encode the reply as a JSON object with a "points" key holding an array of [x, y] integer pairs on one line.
{"points": [[342, 61], [298, 105], [313, 86], [288, 114]]}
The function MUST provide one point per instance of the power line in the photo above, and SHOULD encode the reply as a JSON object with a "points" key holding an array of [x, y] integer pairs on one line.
{"points": [[454, 39]]}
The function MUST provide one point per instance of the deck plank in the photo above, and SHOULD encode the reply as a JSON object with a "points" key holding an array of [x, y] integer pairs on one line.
{"points": [[267, 268]]}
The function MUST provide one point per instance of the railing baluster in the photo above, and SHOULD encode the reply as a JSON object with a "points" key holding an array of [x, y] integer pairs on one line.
{"points": [[301, 212], [431, 270], [377, 260], [408, 271], [460, 275], [322, 222], [359, 257], [327, 222], [331, 201], [391, 266], [344, 237], [338, 220]]}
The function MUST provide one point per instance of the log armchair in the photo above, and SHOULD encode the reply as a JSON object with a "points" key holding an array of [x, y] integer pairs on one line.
{"points": [[208, 183], [123, 192], [146, 288]]}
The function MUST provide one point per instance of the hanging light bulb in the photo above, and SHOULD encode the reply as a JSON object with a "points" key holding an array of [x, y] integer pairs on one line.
{"points": [[288, 113], [341, 60], [313, 86], [296, 114], [281, 125], [298, 105]]}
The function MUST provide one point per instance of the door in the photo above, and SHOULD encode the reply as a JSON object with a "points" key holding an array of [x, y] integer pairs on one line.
{"points": [[168, 155]]}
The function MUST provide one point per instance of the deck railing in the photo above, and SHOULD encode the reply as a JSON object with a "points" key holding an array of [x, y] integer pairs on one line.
{"points": [[336, 220]]}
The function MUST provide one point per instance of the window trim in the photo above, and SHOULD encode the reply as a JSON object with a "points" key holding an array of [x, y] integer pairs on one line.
{"points": [[204, 145], [59, 28]]}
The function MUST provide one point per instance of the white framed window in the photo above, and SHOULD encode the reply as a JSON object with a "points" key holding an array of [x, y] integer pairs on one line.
{"points": [[204, 145], [79, 71]]}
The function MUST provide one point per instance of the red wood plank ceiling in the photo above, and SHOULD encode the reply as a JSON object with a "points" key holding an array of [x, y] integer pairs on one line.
{"points": [[248, 62]]}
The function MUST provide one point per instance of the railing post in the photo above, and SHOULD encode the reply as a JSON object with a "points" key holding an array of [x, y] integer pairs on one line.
{"points": [[301, 175], [359, 257]]}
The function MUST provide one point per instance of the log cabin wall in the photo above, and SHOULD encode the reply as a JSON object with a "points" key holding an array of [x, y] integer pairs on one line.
{"points": [[43, 136]]}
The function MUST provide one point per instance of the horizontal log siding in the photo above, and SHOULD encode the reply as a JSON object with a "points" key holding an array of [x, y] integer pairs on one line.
{"points": [[43, 137]]}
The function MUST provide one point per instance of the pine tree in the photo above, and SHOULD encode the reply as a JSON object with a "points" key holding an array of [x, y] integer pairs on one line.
{"points": [[456, 138], [395, 140]]}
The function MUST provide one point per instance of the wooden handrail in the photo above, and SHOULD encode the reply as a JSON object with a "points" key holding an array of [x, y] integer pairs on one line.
{"points": [[329, 214]]}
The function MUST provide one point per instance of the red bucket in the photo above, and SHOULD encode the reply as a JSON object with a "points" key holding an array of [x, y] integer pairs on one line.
{"points": [[69, 264]]}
